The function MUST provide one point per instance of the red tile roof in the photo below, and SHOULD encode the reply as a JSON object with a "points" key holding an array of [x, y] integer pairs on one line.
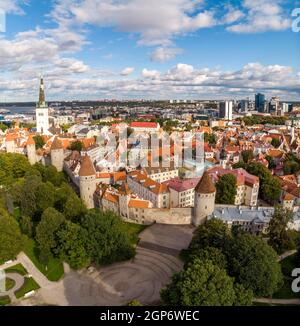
{"points": [[180, 185], [143, 125]]}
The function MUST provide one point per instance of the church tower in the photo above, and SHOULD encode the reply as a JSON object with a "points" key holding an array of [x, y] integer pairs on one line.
{"points": [[87, 182], [31, 150], [205, 194], [42, 112], [57, 154]]}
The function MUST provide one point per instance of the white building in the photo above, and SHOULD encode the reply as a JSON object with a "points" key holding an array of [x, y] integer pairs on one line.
{"points": [[158, 194], [225, 111], [42, 112]]}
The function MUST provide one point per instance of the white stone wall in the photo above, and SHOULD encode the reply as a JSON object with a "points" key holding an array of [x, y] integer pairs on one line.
{"points": [[174, 216], [110, 206]]}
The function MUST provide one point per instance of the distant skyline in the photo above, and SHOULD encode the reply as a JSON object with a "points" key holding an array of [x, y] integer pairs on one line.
{"points": [[134, 49]]}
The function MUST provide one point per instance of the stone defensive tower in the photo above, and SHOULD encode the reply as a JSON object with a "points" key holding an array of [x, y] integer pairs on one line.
{"points": [[87, 182], [57, 154], [205, 194]]}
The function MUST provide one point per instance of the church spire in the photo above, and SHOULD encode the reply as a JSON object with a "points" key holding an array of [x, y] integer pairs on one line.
{"points": [[42, 102]]}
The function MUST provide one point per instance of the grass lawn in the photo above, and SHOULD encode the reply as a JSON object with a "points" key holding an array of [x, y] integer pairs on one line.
{"points": [[133, 230], [55, 270], [29, 285], [9, 283], [4, 301], [19, 268], [287, 265]]}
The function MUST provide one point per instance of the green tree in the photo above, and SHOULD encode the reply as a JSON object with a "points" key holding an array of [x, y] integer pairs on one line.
{"points": [[279, 237], [74, 208], [12, 167], [254, 264], [134, 303], [50, 174], [76, 146], [271, 161], [214, 233], [213, 254], [243, 296], [210, 138], [11, 240], [226, 189], [26, 225], [46, 230], [247, 156], [71, 245], [39, 141], [275, 142], [61, 196], [270, 188], [3, 127], [290, 167], [28, 200], [16, 191], [45, 196], [201, 284], [106, 241]]}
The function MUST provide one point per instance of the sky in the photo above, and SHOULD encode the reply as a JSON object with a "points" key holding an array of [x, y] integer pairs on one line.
{"points": [[149, 49]]}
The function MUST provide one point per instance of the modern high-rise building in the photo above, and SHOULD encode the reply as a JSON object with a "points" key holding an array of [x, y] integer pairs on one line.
{"points": [[274, 105], [244, 105], [225, 110], [42, 112], [285, 107], [260, 102]]}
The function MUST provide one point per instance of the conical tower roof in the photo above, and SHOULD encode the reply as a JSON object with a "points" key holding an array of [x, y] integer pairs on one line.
{"points": [[205, 185], [87, 167], [57, 144]]}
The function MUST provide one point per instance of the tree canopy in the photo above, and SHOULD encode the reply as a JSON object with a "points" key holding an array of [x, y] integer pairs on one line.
{"points": [[226, 189], [247, 155], [71, 245], [254, 264], [11, 240], [46, 231], [107, 242], [279, 237], [203, 284]]}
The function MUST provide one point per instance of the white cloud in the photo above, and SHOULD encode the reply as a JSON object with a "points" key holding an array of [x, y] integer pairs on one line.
{"points": [[232, 15], [181, 81], [127, 71], [163, 54], [152, 74], [13, 6], [156, 22], [72, 65], [262, 16]]}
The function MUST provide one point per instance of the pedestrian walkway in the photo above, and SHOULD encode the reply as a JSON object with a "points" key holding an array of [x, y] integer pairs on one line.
{"points": [[19, 282]]}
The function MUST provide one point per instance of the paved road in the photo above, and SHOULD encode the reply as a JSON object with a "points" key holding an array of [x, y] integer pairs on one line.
{"points": [[279, 301], [286, 254]]}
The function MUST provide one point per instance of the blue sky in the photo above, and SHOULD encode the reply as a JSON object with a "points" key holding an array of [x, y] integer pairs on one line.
{"points": [[95, 49]]}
